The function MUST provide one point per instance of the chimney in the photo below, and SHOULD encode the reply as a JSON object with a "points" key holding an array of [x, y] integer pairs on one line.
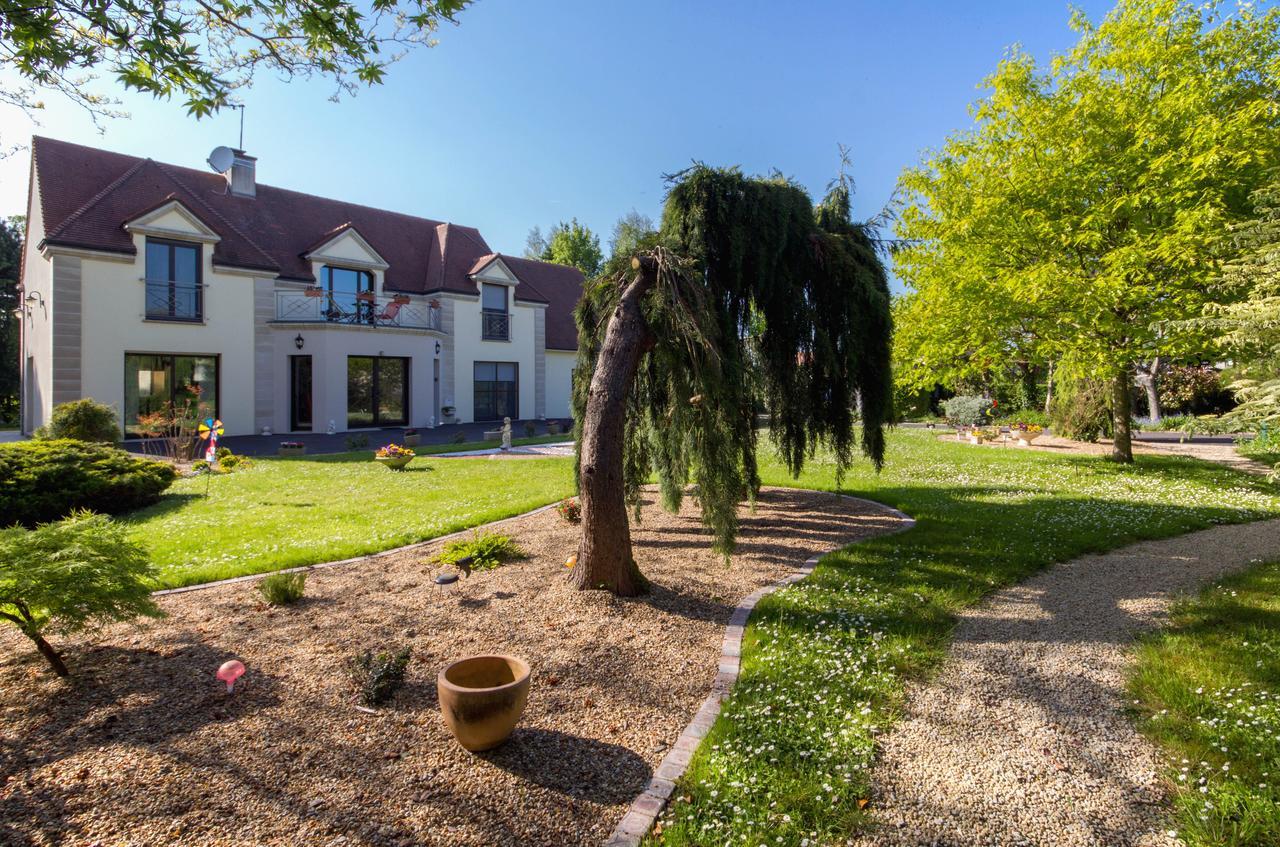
{"points": [[241, 175]]}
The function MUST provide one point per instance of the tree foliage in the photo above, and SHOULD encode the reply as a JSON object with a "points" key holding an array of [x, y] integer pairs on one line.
{"points": [[632, 231], [761, 300], [67, 576], [567, 244], [1250, 321], [203, 50], [1077, 221]]}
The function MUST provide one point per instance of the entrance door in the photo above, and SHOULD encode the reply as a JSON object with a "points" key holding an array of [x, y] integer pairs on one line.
{"points": [[300, 393]]}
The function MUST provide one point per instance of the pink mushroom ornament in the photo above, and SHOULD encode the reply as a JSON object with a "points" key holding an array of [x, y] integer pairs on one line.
{"points": [[230, 672]]}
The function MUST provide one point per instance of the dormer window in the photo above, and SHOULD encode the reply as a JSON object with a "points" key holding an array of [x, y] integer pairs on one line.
{"points": [[349, 293], [495, 322], [174, 290]]}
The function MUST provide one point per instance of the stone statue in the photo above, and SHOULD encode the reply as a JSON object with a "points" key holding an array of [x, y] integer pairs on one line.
{"points": [[506, 434]]}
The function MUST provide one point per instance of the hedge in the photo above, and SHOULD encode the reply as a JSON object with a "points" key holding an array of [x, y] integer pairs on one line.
{"points": [[42, 481]]}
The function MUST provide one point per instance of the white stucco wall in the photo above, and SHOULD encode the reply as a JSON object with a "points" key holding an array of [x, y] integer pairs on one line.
{"points": [[559, 382], [36, 336], [329, 345], [113, 306], [469, 349]]}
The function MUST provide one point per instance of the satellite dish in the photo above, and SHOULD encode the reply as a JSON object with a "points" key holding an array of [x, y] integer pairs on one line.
{"points": [[221, 159]]}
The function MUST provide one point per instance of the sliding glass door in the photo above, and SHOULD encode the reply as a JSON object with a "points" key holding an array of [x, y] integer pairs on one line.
{"points": [[496, 386], [377, 391], [160, 388]]}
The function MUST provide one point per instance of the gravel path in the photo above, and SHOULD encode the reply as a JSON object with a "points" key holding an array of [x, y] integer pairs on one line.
{"points": [[1021, 739], [143, 747]]}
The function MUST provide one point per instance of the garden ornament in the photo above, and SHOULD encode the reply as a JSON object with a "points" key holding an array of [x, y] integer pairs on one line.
{"points": [[230, 672]]}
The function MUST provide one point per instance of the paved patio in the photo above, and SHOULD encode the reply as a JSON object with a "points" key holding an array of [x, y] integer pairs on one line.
{"points": [[320, 443]]}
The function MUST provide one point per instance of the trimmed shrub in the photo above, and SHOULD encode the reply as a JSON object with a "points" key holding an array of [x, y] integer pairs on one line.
{"points": [[967, 410], [83, 420], [570, 509], [70, 575], [485, 549], [378, 676], [281, 589], [1082, 410], [530, 429], [43, 481]]}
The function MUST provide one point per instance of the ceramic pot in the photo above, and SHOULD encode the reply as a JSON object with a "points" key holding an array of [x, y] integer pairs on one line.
{"points": [[395, 463], [482, 699], [1026, 437]]}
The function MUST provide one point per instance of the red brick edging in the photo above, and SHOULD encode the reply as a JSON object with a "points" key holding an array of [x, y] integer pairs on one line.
{"points": [[644, 811]]}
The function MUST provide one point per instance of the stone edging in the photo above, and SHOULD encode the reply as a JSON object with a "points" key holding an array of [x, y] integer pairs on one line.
{"points": [[368, 557], [644, 811]]}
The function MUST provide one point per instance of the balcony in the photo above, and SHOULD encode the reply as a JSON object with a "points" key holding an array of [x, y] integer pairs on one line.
{"points": [[167, 300], [495, 326], [316, 306]]}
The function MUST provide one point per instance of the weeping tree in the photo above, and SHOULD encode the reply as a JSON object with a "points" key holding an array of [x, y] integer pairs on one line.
{"points": [[748, 298]]}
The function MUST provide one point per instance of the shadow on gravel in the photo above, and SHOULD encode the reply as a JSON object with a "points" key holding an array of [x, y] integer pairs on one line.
{"points": [[572, 765]]}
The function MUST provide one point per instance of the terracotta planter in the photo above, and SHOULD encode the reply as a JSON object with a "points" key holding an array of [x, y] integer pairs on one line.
{"points": [[411, 440], [395, 463], [291, 451], [482, 699]]}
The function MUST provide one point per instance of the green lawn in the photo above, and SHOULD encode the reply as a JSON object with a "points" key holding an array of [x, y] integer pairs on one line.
{"points": [[286, 512], [825, 661], [1208, 691], [437, 449]]}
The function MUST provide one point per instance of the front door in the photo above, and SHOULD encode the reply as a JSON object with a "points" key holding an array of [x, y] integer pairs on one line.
{"points": [[377, 391], [300, 393]]}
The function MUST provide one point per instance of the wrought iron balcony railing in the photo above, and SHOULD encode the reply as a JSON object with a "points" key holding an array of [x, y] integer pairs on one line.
{"points": [[495, 326], [174, 301], [308, 307]]}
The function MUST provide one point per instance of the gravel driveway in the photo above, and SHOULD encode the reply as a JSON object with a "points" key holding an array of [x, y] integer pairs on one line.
{"points": [[1021, 739]]}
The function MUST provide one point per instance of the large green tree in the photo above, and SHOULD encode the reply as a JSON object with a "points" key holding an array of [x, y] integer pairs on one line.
{"points": [[10, 263], [568, 243], [203, 50], [1250, 322], [751, 298], [1076, 222]]}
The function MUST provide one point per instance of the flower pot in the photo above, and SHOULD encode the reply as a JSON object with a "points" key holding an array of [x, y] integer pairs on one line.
{"points": [[1025, 438], [976, 439], [482, 699], [395, 463], [292, 451], [411, 440]]}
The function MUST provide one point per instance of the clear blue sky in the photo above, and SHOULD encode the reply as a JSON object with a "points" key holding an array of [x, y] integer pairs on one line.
{"points": [[529, 113]]}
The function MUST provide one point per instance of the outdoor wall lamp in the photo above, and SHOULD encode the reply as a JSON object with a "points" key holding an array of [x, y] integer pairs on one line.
{"points": [[36, 297], [298, 342], [437, 348]]}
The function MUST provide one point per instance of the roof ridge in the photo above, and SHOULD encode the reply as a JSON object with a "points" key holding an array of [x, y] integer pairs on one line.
{"points": [[165, 169], [92, 201], [502, 257]]}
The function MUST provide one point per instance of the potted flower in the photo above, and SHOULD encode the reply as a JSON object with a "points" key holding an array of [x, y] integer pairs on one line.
{"points": [[394, 456], [313, 291], [570, 509], [291, 448], [411, 438], [366, 296], [1026, 433], [554, 427], [401, 299]]}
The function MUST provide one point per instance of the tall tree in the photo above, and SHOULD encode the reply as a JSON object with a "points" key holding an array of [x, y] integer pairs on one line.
{"points": [[631, 231], [751, 296], [1080, 215], [1250, 326], [203, 50], [10, 368], [572, 244]]}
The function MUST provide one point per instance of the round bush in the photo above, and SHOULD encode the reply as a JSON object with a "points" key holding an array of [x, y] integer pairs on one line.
{"points": [[43, 481], [83, 420], [967, 410]]}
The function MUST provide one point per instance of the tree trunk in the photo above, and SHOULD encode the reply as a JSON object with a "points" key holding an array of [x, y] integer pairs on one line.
{"points": [[1048, 391], [604, 554], [1149, 378], [50, 655], [1121, 414]]}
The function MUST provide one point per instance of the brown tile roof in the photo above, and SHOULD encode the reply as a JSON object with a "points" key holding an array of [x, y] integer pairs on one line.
{"points": [[88, 194]]}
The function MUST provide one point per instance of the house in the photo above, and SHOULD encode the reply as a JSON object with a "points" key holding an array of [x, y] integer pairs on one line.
{"points": [[146, 284]]}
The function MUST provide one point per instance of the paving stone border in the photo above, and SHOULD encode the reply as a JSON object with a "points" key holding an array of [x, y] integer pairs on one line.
{"points": [[644, 811]]}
